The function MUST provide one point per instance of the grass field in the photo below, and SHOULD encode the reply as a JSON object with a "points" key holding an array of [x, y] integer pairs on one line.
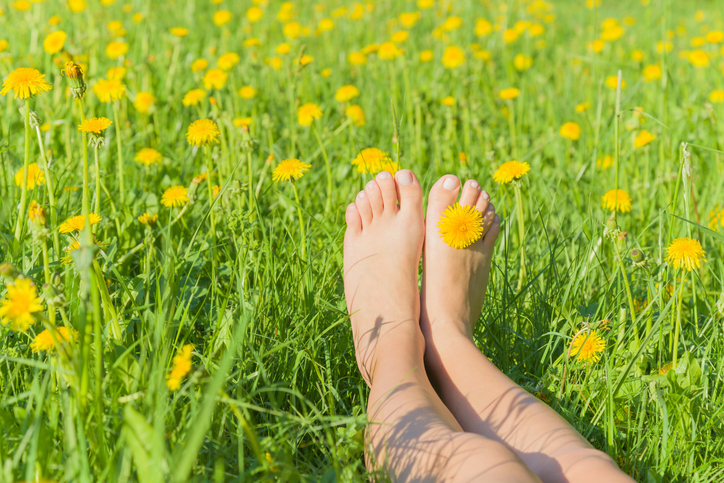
{"points": [[200, 332]]}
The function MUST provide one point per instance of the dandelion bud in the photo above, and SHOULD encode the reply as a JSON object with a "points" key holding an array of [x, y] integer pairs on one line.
{"points": [[621, 241], [74, 73], [611, 224], [247, 142], [9, 272], [192, 188], [639, 259]]}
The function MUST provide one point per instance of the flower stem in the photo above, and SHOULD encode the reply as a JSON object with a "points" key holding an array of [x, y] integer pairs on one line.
{"points": [[26, 163], [328, 204], [677, 325], [212, 218], [119, 146], [301, 222], [521, 232], [98, 181], [51, 194]]}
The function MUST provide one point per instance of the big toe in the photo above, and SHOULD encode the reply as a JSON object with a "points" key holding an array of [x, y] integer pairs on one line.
{"points": [[443, 194], [409, 192]]}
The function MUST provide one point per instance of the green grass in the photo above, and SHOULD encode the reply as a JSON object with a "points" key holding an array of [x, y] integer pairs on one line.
{"points": [[274, 392]]}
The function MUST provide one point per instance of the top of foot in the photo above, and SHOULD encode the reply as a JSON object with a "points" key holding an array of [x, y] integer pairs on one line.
{"points": [[454, 280]]}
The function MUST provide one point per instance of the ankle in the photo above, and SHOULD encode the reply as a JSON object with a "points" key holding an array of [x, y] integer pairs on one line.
{"points": [[399, 350]]}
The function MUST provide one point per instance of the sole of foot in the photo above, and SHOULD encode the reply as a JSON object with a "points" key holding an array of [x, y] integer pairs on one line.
{"points": [[382, 248]]}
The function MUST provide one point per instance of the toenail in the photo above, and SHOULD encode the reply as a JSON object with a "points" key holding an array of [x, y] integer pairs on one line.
{"points": [[371, 185], [404, 178], [486, 196], [491, 207], [475, 184], [450, 184], [384, 175], [362, 194]]}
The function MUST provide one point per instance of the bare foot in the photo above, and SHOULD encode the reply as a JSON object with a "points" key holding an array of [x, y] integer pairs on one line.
{"points": [[454, 280], [382, 249]]}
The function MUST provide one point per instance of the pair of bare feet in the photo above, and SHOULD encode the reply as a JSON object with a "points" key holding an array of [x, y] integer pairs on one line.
{"points": [[476, 424]]}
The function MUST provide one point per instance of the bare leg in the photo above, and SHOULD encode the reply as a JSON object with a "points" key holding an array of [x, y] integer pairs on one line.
{"points": [[412, 435], [483, 400]]}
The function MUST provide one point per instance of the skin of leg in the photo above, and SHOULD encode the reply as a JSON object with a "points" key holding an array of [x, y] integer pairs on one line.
{"points": [[483, 399], [412, 435]]}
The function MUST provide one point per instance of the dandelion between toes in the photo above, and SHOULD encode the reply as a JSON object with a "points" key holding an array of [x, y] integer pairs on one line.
{"points": [[439, 410]]}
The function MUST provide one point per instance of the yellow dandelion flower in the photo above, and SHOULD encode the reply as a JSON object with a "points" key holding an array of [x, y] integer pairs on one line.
{"points": [[36, 176], [175, 196], [509, 171], [652, 72], [509, 93], [305, 60], [685, 253], [193, 97], [254, 14], [116, 49], [453, 57], [617, 201], [460, 226], [409, 19], [247, 92], [290, 169], [426, 55], [144, 102], [522, 62], [109, 90], [203, 132], [372, 160], [356, 115], [36, 213], [181, 367], [215, 79], [448, 101], [292, 30], [388, 51], [77, 223], [587, 346], [716, 96], [307, 113], [149, 219], [346, 93], [199, 64], [20, 303], [357, 58], [148, 156], [228, 61], [179, 32], [612, 82], [643, 138], [583, 107], [25, 83], [54, 42], [222, 17], [95, 125], [571, 130], [698, 58], [45, 341]]}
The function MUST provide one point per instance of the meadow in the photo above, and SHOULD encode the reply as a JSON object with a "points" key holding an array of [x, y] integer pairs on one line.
{"points": [[171, 304]]}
